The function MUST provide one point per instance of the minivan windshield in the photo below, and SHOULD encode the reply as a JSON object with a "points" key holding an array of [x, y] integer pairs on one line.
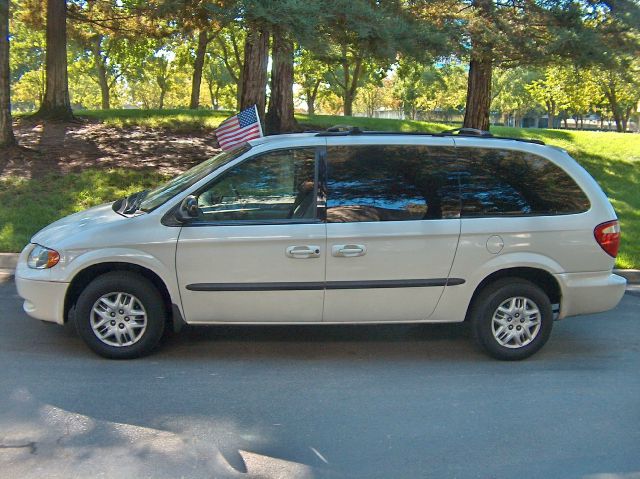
{"points": [[163, 193]]}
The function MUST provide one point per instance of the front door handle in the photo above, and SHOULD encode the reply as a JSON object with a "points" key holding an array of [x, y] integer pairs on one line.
{"points": [[303, 251], [348, 250]]}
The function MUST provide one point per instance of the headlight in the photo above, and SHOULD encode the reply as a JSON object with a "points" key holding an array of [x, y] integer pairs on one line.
{"points": [[43, 258]]}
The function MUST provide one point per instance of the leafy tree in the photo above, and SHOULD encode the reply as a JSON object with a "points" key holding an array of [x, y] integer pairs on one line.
{"points": [[28, 91], [364, 39], [310, 74], [620, 85], [374, 96], [229, 49], [550, 91], [220, 84], [202, 20], [430, 87], [582, 94], [100, 52], [509, 93], [527, 32]]}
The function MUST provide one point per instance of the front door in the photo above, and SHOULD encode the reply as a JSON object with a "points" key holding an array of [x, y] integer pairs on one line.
{"points": [[392, 229], [256, 251]]}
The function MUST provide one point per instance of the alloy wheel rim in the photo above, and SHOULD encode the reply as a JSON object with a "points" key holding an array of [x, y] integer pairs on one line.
{"points": [[118, 319], [516, 322]]}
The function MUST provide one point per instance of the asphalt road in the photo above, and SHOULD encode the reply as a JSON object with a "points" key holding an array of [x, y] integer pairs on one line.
{"points": [[313, 402]]}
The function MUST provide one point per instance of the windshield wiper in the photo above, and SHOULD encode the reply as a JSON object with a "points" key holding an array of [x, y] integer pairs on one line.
{"points": [[129, 205]]}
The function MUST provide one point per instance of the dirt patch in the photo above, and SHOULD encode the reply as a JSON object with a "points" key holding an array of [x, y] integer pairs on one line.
{"points": [[57, 147]]}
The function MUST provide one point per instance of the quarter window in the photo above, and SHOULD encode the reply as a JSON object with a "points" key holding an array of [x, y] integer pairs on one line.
{"points": [[391, 183], [279, 185], [515, 183]]}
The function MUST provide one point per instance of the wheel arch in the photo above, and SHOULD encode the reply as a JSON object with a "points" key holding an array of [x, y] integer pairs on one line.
{"points": [[540, 277], [88, 274]]}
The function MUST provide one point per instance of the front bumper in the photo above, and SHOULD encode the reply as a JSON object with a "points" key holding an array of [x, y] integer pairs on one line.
{"points": [[585, 293], [43, 300]]}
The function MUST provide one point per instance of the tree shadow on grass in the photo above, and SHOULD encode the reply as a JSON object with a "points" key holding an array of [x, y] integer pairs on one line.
{"points": [[76, 146]]}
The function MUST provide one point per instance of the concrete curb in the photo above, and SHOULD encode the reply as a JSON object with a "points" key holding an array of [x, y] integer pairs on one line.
{"points": [[631, 275], [8, 262], [6, 275]]}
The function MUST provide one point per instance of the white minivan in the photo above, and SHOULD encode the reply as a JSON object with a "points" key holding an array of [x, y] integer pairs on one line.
{"points": [[342, 226]]}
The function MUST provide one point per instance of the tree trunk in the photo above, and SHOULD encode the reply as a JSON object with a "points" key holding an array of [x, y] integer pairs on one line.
{"points": [[350, 83], [212, 97], [617, 117], [101, 70], [311, 103], [280, 117], [197, 69], [56, 104], [551, 113], [348, 103], [6, 128], [163, 92], [311, 98], [625, 118], [478, 103], [254, 70]]}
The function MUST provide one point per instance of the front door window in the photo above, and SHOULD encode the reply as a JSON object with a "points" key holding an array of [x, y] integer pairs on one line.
{"points": [[276, 186]]}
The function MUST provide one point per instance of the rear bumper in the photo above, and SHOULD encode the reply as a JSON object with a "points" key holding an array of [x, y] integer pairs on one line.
{"points": [[584, 293], [43, 300]]}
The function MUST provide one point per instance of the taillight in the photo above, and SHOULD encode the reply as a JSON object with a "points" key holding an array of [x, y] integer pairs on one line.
{"points": [[608, 237]]}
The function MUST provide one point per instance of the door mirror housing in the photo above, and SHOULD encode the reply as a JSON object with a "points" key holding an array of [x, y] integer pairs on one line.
{"points": [[188, 209]]}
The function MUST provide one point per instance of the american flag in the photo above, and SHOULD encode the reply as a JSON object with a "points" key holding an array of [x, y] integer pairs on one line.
{"points": [[240, 128]]}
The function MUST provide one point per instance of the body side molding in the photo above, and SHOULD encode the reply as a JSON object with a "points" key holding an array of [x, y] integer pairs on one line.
{"points": [[309, 286]]}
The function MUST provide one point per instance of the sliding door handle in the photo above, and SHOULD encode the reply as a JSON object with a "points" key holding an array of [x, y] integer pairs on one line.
{"points": [[348, 250]]}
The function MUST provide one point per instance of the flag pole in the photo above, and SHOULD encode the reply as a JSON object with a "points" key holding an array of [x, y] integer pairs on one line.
{"points": [[255, 107]]}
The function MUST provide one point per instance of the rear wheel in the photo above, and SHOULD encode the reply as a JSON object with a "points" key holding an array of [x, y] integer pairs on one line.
{"points": [[120, 315], [511, 319]]}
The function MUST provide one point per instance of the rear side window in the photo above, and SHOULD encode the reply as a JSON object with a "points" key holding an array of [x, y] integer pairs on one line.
{"points": [[514, 183], [391, 183]]}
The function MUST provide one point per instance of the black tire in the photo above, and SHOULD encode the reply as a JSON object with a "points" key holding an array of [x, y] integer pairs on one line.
{"points": [[486, 305], [145, 293]]}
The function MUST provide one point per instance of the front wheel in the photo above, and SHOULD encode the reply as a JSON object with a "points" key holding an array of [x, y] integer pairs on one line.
{"points": [[511, 319], [120, 315]]}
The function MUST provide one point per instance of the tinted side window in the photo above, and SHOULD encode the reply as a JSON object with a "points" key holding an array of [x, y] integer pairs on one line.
{"points": [[514, 183], [275, 186], [391, 183]]}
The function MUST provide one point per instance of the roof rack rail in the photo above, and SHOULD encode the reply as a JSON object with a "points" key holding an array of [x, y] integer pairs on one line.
{"points": [[341, 130], [467, 132], [475, 132], [347, 130]]}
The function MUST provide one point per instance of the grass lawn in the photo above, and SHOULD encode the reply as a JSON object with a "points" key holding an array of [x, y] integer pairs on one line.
{"points": [[180, 120], [27, 205]]}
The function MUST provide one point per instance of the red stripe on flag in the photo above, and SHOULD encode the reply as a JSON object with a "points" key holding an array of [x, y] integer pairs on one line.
{"points": [[238, 133], [229, 124], [249, 135]]}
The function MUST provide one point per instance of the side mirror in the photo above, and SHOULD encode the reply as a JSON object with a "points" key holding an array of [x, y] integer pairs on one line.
{"points": [[188, 209]]}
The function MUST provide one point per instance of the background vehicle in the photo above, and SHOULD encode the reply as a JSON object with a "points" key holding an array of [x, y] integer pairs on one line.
{"points": [[338, 227]]}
